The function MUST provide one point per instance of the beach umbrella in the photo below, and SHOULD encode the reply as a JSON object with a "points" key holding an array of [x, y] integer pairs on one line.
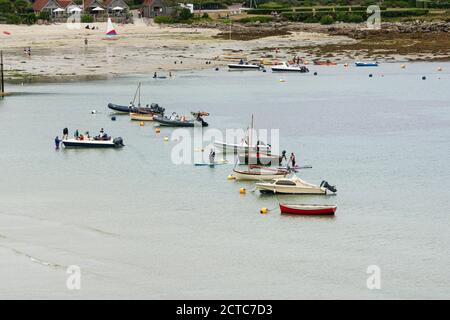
{"points": [[98, 9], [118, 8], [76, 9], [58, 10]]}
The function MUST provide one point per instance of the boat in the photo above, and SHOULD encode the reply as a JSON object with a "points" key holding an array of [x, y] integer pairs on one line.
{"points": [[261, 158], [259, 174], [324, 63], [93, 143], [177, 121], [240, 148], [308, 209], [243, 66], [285, 67], [153, 108], [141, 116], [111, 33], [366, 64], [293, 185]]}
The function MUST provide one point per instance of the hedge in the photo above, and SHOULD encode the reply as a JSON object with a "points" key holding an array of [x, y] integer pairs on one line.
{"points": [[164, 19], [261, 19]]}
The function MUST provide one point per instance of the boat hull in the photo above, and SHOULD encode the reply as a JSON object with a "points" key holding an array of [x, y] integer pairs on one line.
{"points": [[258, 175], [72, 143], [284, 69], [122, 109], [177, 123], [366, 64], [141, 116], [307, 209], [243, 66]]}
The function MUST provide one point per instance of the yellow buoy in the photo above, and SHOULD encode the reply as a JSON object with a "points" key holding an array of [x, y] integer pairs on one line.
{"points": [[263, 211], [166, 138], [157, 130], [242, 190], [281, 80], [142, 123], [230, 177]]}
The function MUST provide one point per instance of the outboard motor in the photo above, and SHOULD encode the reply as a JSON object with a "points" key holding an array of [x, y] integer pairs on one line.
{"points": [[326, 185], [157, 109], [118, 142]]}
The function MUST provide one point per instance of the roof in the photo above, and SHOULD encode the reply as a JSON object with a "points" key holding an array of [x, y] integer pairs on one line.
{"points": [[93, 3], [40, 4]]}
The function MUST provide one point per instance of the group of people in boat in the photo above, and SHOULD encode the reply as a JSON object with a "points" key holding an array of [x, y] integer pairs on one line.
{"points": [[79, 136]]}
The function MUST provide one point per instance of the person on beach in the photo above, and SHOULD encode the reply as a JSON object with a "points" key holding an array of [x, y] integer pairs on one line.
{"points": [[65, 133], [85, 42]]}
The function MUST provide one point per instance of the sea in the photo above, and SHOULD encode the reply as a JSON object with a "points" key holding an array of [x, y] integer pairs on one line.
{"points": [[134, 223]]}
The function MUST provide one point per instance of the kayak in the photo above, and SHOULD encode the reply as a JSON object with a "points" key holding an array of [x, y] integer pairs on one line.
{"points": [[308, 209]]}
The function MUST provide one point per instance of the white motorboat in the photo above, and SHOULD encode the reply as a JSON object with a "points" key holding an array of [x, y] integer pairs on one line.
{"points": [[239, 148], [285, 67], [244, 66], [91, 143], [294, 185]]}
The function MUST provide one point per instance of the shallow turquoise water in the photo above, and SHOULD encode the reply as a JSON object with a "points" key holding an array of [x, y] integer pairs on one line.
{"points": [[140, 226]]}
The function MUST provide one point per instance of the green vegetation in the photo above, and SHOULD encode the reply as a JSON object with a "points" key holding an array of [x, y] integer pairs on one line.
{"points": [[326, 20], [254, 19], [86, 18]]}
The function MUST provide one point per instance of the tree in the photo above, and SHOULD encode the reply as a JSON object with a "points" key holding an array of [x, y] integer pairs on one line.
{"points": [[185, 14], [21, 5], [6, 6]]}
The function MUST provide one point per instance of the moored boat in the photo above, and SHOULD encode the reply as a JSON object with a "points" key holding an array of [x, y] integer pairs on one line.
{"points": [[243, 66], [285, 67], [259, 174], [177, 121], [92, 143], [141, 116], [293, 185], [366, 64], [308, 209]]}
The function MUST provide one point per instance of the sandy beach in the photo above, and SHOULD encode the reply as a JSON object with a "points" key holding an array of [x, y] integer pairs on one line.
{"points": [[59, 53]]}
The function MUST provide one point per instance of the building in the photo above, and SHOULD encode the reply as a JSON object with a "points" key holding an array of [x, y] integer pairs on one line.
{"points": [[50, 5], [89, 5], [153, 8], [110, 4]]}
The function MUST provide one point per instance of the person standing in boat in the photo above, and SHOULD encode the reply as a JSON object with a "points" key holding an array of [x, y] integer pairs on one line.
{"points": [[292, 160], [283, 157], [76, 134], [212, 155], [65, 135]]}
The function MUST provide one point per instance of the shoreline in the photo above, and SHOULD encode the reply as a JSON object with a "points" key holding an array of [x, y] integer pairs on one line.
{"points": [[59, 54]]}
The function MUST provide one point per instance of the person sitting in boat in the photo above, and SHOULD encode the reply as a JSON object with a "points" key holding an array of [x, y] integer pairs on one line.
{"points": [[130, 105], [81, 137]]}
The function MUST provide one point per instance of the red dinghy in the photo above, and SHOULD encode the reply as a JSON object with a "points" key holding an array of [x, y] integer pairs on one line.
{"points": [[307, 209]]}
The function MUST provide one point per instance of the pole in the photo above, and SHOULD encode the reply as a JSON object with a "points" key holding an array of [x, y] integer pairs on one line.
{"points": [[2, 86]]}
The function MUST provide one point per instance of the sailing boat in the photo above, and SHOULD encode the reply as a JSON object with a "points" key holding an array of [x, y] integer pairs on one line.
{"points": [[111, 33], [258, 173]]}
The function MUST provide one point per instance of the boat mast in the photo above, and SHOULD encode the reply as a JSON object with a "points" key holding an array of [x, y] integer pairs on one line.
{"points": [[138, 90]]}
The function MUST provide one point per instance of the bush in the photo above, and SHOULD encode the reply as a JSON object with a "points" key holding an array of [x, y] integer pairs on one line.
{"points": [[6, 7], [44, 15], [86, 18], [30, 19], [185, 14], [205, 15], [13, 18], [355, 18], [404, 13], [164, 19], [327, 20]]}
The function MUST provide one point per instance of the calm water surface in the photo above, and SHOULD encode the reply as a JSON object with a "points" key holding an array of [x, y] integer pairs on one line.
{"points": [[139, 226]]}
